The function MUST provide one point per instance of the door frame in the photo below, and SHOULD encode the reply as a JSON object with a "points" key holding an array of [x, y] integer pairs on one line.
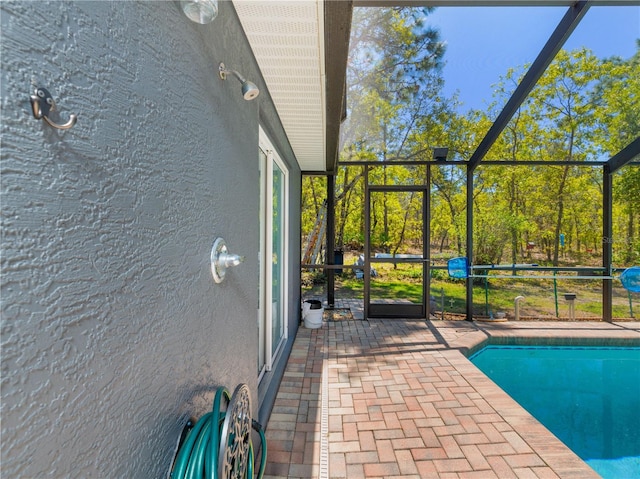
{"points": [[267, 350], [409, 311]]}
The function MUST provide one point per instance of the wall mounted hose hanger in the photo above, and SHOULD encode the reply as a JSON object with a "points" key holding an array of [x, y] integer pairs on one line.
{"points": [[42, 104]]}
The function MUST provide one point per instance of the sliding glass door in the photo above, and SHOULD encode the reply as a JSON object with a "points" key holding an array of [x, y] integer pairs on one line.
{"points": [[272, 330]]}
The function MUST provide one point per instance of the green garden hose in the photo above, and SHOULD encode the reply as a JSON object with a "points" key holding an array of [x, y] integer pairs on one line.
{"points": [[199, 456]]}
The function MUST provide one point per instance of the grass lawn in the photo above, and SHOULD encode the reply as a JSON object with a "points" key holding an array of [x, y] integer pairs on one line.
{"points": [[541, 299]]}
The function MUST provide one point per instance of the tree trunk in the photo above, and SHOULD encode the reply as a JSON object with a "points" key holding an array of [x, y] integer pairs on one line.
{"points": [[404, 228], [444, 238], [342, 219], [630, 237], [314, 195], [514, 229], [556, 247]]}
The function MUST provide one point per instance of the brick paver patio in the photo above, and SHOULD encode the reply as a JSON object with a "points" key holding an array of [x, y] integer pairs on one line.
{"points": [[397, 398]]}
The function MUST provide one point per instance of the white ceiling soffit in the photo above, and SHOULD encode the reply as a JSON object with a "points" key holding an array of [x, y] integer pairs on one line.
{"points": [[287, 38]]}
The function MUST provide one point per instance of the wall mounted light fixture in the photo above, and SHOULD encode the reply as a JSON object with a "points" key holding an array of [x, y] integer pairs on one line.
{"points": [[200, 11], [440, 154], [249, 89]]}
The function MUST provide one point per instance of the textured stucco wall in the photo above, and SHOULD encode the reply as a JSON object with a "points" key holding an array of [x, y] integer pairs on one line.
{"points": [[113, 331]]}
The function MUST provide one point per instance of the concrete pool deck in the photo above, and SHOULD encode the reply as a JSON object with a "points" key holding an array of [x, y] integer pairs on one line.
{"points": [[399, 398]]}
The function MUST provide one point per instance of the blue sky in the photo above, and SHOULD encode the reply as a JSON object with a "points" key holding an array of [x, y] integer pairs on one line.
{"points": [[483, 42]]}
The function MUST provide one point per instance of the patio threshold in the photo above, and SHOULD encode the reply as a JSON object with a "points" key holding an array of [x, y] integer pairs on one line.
{"points": [[399, 398]]}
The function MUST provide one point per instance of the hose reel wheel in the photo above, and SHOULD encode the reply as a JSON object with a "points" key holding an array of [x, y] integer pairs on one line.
{"points": [[219, 445], [235, 437]]}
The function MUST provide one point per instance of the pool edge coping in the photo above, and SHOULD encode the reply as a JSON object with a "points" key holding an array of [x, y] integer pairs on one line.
{"points": [[469, 337], [526, 334]]}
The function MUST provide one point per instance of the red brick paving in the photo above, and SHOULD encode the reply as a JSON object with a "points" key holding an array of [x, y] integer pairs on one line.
{"points": [[404, 402]]}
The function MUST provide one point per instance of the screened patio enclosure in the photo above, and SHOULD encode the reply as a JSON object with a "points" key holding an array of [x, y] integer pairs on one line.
{"points": [[419, 261]]}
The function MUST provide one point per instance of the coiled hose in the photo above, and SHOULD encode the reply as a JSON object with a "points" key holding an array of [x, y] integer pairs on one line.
{"points": [[204, 452]]}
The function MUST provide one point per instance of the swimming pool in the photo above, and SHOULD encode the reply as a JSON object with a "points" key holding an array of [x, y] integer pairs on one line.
{"points": [[589, 397]]}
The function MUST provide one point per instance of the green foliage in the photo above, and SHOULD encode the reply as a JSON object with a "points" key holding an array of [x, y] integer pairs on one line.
{"points": [[310, 278], [392, 51], [569, 116], [582, 109]]}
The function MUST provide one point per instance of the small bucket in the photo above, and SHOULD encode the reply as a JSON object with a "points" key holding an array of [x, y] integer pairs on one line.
{"points": [[312, 312]]}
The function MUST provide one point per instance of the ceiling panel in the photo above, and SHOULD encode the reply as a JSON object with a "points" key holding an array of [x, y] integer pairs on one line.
{"points": [[287, 38]]}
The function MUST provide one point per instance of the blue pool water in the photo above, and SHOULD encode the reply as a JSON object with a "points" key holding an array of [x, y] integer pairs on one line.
{"points": [[589, 397]]}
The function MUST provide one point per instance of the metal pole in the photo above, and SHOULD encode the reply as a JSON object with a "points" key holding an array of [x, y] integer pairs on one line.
{"points": [[330, 232], [555, 293], [426, 232], [367, 245], [607, 242], [486, 295], [469, 281]]}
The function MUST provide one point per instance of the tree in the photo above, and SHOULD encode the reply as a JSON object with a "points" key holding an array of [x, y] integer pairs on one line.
{"points": [[393, 79], [562, 105], [618, 124], [393, 60]]}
